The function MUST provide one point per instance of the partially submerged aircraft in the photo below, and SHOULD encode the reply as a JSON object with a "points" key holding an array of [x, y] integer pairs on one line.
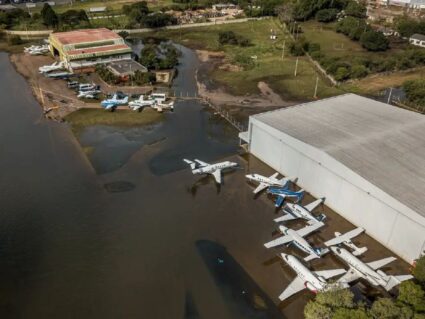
{"points": [[117, 99], [369, 271], [295, 211], [345, 239], [199, 167], [296, 237], [284, 192], [267, 181], [315, 281]]}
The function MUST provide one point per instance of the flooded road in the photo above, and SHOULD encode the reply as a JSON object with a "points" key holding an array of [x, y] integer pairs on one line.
{"points": [[133, 234]]}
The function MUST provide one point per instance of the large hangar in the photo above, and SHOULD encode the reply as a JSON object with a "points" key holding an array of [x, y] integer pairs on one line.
{"points": [[366, 157]]}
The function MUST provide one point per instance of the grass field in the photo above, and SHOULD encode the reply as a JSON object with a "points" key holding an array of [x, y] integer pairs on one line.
{"points": [[278, 73], [87, 117]]}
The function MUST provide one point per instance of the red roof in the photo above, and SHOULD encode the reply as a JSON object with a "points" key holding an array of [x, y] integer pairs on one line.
{"points": [[99, 49], [86, 35]]}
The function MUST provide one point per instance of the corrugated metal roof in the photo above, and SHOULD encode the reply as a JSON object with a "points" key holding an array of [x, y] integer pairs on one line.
{"points": [[382, 143]]}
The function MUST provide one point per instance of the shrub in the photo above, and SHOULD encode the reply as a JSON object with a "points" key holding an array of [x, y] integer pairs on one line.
{"points": [[359, 71], [326, 15], [374, 41], [15, 40], [342, 73], [229, 37]]}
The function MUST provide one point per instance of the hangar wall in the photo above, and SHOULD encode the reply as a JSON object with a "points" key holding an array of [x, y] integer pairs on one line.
{"points": [[385, 219]]}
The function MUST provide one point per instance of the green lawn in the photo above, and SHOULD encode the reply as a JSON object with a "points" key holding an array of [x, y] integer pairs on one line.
{"points": [[278, 73]]}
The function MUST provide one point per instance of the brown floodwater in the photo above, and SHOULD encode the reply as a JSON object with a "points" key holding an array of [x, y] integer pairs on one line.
{"points": [[129, 232]]}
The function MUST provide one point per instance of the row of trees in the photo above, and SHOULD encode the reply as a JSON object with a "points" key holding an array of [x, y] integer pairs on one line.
{"points": [[140, 16], [407, 26], [410, 303], [358, 30]]}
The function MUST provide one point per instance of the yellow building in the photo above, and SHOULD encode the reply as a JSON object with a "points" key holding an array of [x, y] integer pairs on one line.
{"points": [[83, 49]]}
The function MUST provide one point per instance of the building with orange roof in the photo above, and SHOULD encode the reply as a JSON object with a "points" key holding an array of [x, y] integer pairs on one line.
{"points": [[82, 50]]}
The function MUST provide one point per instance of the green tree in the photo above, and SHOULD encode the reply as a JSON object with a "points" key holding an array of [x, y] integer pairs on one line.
{"points": [[148, 56], [326, 15], [413, 295], [419, 270], [374, 41], [336, 298], [352, 27], [342, 73], [355, 9], [315, 310], [385, 308], [359, 71], [344, 313], [49, 16]]}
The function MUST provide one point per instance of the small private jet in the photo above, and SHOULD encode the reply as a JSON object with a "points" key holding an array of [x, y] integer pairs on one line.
{"points": [[283, 192], [199, 167], [345, 239], [369, 271], [295, 211], [296, 237], [315, 281], [267, 181]]}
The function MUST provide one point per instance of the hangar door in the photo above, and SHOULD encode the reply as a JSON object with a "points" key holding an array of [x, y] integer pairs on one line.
{"points": [[266, 147]]}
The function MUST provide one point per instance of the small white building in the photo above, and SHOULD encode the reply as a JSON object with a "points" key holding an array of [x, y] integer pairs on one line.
{"points": [[418, 40], [365, 157]]}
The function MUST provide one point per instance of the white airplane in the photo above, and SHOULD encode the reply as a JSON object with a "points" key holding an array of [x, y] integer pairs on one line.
{"points": [[51, 67], [346, 240], [296, 237], [199, 167], [266, 181], [369, 271], [141, 102], [93, 94], [294, 211], [313, 280]]}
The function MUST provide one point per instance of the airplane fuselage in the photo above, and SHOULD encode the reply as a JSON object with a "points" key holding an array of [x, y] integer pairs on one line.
{"points": [[212, 168], [300, 242], [300, 212], [311, 281], [360, 267]]}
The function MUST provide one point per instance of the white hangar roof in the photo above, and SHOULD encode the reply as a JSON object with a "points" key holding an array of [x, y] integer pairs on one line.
{"points": [[382, 143]]}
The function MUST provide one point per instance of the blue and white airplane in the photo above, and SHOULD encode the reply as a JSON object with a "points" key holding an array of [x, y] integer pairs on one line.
{"points": [[265, 182], [296, 237], [118, 99], [284, 192]]}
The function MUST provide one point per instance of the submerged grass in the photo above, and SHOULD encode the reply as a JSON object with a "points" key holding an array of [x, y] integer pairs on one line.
{"points": [[88, 117]]}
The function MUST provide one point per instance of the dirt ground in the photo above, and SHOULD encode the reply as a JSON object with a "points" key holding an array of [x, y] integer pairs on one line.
{"points": [[55, 97], [219, 97]]}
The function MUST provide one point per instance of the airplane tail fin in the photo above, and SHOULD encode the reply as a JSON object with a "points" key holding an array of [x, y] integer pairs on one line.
{"points": [[299, 195], [279, 201], [396, 280], [192, 164]]}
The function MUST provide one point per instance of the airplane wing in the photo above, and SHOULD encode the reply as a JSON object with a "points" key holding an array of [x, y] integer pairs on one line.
{"points": [[192, 164], [310, 207], [330, 273], [202, 164], [279, 241], [350, 276], [274, 176], [344, 237], [284, 218], [217, 176], [260, 187], [309, 229], [279, 200], [380, 263], [295, 286]]}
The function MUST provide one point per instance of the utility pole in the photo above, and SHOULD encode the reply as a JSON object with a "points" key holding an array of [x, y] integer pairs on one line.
{"points": [[389, 96], [283, 49], [315, 89], [296, 67]]}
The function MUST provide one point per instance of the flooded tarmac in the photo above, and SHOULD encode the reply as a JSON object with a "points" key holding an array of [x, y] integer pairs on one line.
{"points": [[132, 233]]}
